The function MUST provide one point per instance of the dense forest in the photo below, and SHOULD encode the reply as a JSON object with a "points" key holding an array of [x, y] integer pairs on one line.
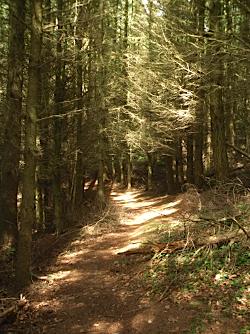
{"points": [[149, 94]]}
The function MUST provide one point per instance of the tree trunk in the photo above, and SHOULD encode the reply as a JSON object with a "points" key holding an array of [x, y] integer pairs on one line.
{"points": [[45, 168], [149, 172], [190, 159], [217, 113], [10, 152], [58, 124], [129, 171], [79, 177], [171, 188], [200, 111], [179, 164], [23, 259]]}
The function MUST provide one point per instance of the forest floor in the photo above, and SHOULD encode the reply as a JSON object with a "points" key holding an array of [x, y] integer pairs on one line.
{"points": [[91, 285]]}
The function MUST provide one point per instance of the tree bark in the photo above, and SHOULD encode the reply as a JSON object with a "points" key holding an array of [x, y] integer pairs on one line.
{"points": [[171, 187], [190, 159], [79, 177], [58, 124], [23, 259], [129, 170], [217, 112], [10, 151]]}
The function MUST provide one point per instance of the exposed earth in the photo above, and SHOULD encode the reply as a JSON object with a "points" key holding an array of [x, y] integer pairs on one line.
{"points": [[91, 288]]}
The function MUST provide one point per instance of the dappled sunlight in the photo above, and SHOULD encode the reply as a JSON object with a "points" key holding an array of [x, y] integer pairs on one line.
{"points": [[62, 274], [141, 320], [146, 216], [135, 204], [126, 196], [129, 200], [54, 304], [94, 287], [65, 275], [69, 256], [154, 227], [106, 327], [130, 246]]}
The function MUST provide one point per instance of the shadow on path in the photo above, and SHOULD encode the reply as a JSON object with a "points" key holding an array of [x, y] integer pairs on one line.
{"points": [[94, 290]]}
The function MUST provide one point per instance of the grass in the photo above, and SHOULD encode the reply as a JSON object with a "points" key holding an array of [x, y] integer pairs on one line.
{"points": [[217, 277]]}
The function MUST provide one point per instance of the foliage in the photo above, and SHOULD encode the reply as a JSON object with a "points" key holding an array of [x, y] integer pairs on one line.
{"points": [[218, 274]]}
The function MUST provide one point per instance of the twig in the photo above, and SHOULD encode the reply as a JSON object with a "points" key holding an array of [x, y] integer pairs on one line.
{"points": [[8, 298], [6, 313], [104, 216], [41, 278], [239, 150], [240, 226], [163, 295]]}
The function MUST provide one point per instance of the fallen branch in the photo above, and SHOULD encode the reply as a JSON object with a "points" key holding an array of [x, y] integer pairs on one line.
{"points": [[241, 227], [239, 150], [220, 239], [40, 278], [12, 310], [170, 247], [225, 219], [7, 313]]}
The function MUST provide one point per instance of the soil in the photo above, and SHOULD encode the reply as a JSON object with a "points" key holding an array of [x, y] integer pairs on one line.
{"points": [[90, 288]]}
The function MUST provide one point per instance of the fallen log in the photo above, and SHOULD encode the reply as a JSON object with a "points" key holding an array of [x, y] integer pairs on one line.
{"points": [[171, 247]]}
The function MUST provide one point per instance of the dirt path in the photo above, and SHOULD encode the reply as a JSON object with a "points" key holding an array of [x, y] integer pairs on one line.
{"points": [[94, 290]]}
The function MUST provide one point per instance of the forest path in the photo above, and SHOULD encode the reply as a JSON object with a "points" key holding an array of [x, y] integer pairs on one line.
{"points": [[95, 290]]}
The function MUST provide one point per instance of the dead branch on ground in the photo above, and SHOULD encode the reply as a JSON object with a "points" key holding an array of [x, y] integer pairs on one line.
{"points": [[171, 247], [239, 151], [12, 310]]}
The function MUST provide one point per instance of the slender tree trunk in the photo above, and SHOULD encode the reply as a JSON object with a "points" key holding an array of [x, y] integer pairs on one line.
{"points": [[149, 172], [45, 170], [99, 91], [207, 138], [10, 152], [179, 163], [120, 170], [190, 159], [100, 185], [217, 111], [171, 189], [129, 170], [79, 177], [58, 124], [200, 111], [23, 259]]}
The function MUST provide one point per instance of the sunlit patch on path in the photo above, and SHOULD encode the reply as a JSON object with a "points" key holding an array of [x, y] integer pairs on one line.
{"points": [[92, 290], [143, 213]]}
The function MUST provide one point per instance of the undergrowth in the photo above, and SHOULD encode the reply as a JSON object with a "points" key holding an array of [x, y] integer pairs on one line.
{"points": [[213, 279]]}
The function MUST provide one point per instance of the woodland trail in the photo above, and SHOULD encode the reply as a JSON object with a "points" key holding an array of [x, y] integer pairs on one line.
{"points": [[95, 290]]}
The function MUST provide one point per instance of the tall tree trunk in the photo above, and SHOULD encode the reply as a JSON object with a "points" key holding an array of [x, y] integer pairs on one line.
{"points": [[179, 163], [217, 112], [45, 170], [200, 111], [171, 189], [99, 94], [190, 159], [10, 152], [79, 175], [129, 170], [149, 171], [58, 123], [23, 259]]}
